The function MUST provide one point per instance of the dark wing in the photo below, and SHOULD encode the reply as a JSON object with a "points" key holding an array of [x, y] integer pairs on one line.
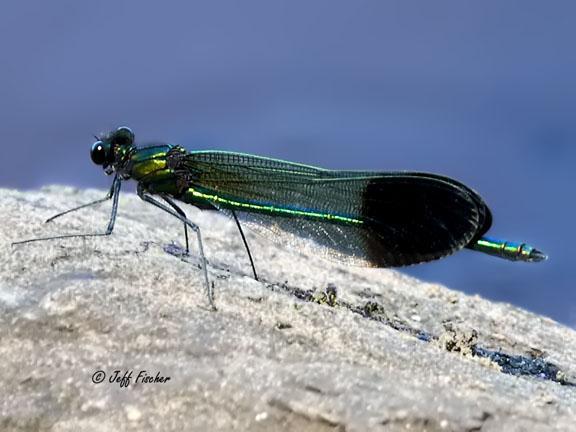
{"points": [[382, 219]]}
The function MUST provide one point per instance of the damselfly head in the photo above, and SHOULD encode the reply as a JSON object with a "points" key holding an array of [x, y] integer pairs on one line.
{"points": [[106, 150]]}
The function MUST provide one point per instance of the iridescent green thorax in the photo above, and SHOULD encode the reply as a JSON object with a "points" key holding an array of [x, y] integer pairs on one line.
{"points": [[150, 167], [147, 163]]}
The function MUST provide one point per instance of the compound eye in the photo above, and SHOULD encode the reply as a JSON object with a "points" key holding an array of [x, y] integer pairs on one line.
{"points": [[123, 136], [98, 153]]}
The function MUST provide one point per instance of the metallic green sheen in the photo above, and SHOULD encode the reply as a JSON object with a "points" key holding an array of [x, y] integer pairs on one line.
{"points": [[512, 251], [194, 195], [149, 164]]}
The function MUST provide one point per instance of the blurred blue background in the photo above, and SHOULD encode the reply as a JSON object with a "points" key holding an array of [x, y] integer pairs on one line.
{"points": [[483, 92]]}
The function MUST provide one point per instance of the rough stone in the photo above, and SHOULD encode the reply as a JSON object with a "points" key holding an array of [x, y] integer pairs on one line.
{"points": [[313, 346]]}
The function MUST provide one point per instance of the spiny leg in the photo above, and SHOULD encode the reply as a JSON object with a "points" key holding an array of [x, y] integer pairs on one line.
{"points": [[245, 244], [101, 200], [143, 195], [115, 194], [181, 213]]}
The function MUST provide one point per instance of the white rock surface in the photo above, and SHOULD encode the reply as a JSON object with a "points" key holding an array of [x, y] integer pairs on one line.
{"points": [[266, 360]]}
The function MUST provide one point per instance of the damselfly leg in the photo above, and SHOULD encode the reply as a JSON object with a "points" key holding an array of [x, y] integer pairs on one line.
{"points": [[146, 197], [245, 243], [181, 213], [109, 195], [114, 192]]}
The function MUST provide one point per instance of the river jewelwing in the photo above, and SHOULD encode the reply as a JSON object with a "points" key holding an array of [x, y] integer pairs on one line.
{"points": [[374, 219]]}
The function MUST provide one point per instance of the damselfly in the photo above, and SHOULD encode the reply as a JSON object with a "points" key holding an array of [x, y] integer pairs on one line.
{"points": [[375, 219]]}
